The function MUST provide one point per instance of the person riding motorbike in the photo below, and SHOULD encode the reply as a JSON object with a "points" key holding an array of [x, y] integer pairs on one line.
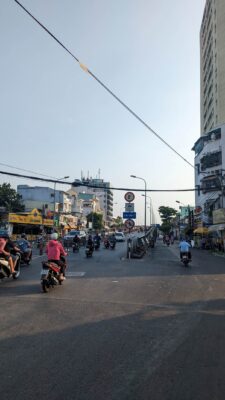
{"points": [[97, 240], [112, 240], [185, 248], [90, 243], [55, 250], [6, 246], [26, 247]]}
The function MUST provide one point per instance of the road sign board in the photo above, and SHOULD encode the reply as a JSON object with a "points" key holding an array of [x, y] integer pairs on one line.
{"points": [[129, 206], [129, 215], [129, 196], [129, 223]]}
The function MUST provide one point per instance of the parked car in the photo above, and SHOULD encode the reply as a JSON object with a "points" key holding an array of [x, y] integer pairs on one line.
{"points": [[120, 237], [68, 239]]}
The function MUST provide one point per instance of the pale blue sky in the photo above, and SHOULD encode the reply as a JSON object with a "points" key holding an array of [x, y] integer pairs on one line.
{"points": [[57, 120]]}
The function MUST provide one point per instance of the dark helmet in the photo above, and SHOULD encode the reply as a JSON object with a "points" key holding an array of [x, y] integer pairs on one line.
{"points": [[24, 236]]}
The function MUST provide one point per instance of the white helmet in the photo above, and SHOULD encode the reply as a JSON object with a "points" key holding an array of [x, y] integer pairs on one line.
{"points": [[54, 236]]}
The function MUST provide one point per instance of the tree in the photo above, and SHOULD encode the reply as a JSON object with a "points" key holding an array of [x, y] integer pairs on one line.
{"points": [[96, 219], [166, 214], [10, 199]]}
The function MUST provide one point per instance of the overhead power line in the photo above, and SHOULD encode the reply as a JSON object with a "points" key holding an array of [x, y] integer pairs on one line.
{"points": [[77, 182], [86, 69]]}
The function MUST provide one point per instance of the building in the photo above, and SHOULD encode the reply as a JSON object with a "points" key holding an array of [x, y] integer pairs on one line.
{"points": [[52, 203], [102, 192], [209, 174], [212, 60]]}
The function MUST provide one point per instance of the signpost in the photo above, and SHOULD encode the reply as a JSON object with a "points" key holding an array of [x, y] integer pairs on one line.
{"points": [[129, 223], [129, 206], [129, 197], [129, 215]]}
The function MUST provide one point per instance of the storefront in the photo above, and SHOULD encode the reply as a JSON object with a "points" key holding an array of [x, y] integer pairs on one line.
{"points": [[32, 224]]}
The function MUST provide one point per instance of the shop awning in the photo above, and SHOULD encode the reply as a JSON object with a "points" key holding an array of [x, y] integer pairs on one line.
{"points": [[202, 230], [217, 227]]}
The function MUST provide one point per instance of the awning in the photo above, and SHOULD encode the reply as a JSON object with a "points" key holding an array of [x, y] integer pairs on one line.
{"points": [[202, 230], [217, 227]]}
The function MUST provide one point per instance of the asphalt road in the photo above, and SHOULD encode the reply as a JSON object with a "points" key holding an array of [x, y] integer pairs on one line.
{"points": [[117, 329]]}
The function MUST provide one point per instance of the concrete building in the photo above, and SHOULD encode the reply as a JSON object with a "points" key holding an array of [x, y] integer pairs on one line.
{"points": [[102, 192], [212, 60], [209, 174]]}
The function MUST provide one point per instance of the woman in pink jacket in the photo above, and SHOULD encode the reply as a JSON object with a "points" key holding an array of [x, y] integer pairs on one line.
{"points": [[55, 250]]}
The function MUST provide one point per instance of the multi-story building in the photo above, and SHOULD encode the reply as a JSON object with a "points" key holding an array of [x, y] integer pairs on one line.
{"points": [[102, 192], [212, 60], [209, 174]]}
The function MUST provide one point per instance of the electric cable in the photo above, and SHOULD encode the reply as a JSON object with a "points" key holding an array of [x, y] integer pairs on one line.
{"points": [[77, 182], [87, 70]]}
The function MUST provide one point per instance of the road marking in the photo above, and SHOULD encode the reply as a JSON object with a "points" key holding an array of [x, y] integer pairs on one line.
{"points": [[75, 274]]}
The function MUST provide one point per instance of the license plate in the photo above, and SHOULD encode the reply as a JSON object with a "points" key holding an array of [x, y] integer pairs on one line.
{"points": [[44, 272]]}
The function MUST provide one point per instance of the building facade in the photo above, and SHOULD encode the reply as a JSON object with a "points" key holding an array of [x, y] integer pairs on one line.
{"points": [[102, 192], [209, 174], [212, 61]]}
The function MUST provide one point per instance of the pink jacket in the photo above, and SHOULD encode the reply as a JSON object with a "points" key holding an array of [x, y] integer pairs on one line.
{"points": [[54, 250]]}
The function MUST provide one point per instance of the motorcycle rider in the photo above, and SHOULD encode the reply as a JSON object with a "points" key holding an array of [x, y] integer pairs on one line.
{"points": [[55, 250], [26, 247], [112, 240], [6, 246], [90, 243], [185, 248], [97, 239]]}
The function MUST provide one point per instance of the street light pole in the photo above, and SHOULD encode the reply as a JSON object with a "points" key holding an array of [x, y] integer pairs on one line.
{"points": [[54, 211], [150, 221], [138, 177]]}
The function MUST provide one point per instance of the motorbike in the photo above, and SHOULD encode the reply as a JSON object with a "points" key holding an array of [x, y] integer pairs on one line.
{"points": [[89, 251], [97, 244], [106, 244], [75, 247], [5, 270], [185, 258], [26, 256], [51, 275], [112, 245]]}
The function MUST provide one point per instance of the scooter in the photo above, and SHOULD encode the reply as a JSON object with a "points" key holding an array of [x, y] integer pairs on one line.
{"points": [[185, 259], [112, 245], [97, 244], [75, 247], [106, 243], [5, 270], [51, 275], [89, 251]]}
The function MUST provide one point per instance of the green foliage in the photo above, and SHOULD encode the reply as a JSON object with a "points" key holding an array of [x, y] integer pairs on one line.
{"points": [[118, 221], [10, 199], [166, 214], [96, 219]]}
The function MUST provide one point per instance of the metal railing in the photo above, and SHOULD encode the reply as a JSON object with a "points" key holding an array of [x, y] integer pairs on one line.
{"points": [[137, 245]]}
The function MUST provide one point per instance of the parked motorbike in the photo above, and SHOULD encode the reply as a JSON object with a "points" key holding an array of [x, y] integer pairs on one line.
{"points": [[50, 275], [185, 258], [5, 270]]}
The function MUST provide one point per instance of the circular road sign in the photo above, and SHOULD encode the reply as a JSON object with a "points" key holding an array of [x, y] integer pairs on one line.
{"points": [[129, 197], [129, 223]]}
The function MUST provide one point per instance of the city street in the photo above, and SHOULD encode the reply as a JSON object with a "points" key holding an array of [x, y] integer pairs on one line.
{"points": [[117, 329]]}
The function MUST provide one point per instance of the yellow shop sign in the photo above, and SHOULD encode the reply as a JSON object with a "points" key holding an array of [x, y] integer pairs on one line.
{"points": [[33, 218]]}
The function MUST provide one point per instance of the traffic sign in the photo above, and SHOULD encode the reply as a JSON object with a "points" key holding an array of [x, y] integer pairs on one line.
{"points": [[129, 215], [129, 223], [129, 196], [129, 206]]}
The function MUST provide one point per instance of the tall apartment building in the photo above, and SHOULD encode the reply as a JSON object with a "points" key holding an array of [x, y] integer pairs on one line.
{"points": [[101, 190], [212, 60]]}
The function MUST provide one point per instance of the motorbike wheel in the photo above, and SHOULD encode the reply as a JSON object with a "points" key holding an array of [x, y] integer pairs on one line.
{"points": [[17, 270], [45, 286]]}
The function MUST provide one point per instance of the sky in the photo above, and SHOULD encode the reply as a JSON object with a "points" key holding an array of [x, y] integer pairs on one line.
{"points": [[56, 120]]}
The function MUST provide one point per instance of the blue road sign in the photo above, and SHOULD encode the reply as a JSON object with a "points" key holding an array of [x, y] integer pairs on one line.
{"points": [[129, 215]]}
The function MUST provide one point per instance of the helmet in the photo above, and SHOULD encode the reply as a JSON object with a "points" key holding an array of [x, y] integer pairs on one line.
{"points": [[23, 235], [54, 236]]}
